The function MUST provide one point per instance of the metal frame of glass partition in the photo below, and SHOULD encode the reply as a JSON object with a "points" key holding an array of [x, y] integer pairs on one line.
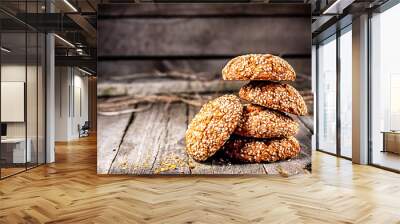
{"points": [[336, 38], [39, 36], [382, 8]]}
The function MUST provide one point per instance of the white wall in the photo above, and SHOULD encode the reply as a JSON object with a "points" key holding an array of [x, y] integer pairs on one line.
{"points": [[62, 80], [80, 109], [71, 94], [15, 72]]}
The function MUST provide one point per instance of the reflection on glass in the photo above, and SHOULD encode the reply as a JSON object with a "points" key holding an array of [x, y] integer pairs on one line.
{"points": [[346, 94], [14, 153], [22, 90], [31, 97], [41, 98], [32, 86], [327, 96], [385, 84]]}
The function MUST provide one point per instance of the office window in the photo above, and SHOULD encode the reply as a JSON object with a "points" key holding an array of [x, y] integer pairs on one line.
{"points": [[346, 92], [327, 96], [385, 88]]}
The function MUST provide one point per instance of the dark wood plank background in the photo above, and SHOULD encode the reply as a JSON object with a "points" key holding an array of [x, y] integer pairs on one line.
{"points": [[143, 38]]}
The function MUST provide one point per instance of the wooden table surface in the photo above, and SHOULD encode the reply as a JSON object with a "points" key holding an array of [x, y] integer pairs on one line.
{"points": [[152, 142]]}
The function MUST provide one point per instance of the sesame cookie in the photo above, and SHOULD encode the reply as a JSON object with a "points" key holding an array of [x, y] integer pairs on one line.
{"points": [[260, 122], [258, 67], [276, 96], [261, 150], [212, 126]]}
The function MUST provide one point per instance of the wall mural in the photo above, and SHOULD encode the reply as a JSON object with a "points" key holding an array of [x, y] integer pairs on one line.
{"points": [[204, 89]]}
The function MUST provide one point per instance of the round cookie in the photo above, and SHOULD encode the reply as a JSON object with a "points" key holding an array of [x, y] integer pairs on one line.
{"points": [[276, 96], [260, 122], [212, 126], [261, 150], [258, 67]]}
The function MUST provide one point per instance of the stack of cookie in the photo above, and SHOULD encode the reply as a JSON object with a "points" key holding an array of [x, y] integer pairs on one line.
{"points": [[257, 132]]}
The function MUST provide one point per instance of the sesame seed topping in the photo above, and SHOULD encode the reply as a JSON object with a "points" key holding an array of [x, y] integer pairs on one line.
{"points": [[212, 126], [273, 95], [252, 150], [259, 122], [258, 67]]}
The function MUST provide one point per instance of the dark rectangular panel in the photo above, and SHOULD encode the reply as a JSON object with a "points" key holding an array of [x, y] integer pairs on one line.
{"points": [[202, 9], [204, 36]]}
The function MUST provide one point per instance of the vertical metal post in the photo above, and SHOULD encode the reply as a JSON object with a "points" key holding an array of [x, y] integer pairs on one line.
{"points": [[37, 90], [338, 76], [316, 114], [26, 86], [369, 126], [0, 92], [45, 90]]}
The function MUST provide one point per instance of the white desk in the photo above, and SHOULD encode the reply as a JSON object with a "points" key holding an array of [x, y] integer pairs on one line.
{"points": [[19, 154]]}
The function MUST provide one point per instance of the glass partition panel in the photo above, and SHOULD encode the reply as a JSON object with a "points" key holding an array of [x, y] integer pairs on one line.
{"points": [[14, 153], [326, 94], [22, 88], [346, 93], [32, 83], [41, 98], [385, 89], [31, 98]]}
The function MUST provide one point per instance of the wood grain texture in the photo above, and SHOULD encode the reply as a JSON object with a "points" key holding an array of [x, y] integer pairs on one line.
{"points": [[176, 36], [172, 158], [308, 121], [154, 144], [202, 9], [132, 67], [110, 133], [203, 68], [157, 86], [142, 142], [70, 191]]}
